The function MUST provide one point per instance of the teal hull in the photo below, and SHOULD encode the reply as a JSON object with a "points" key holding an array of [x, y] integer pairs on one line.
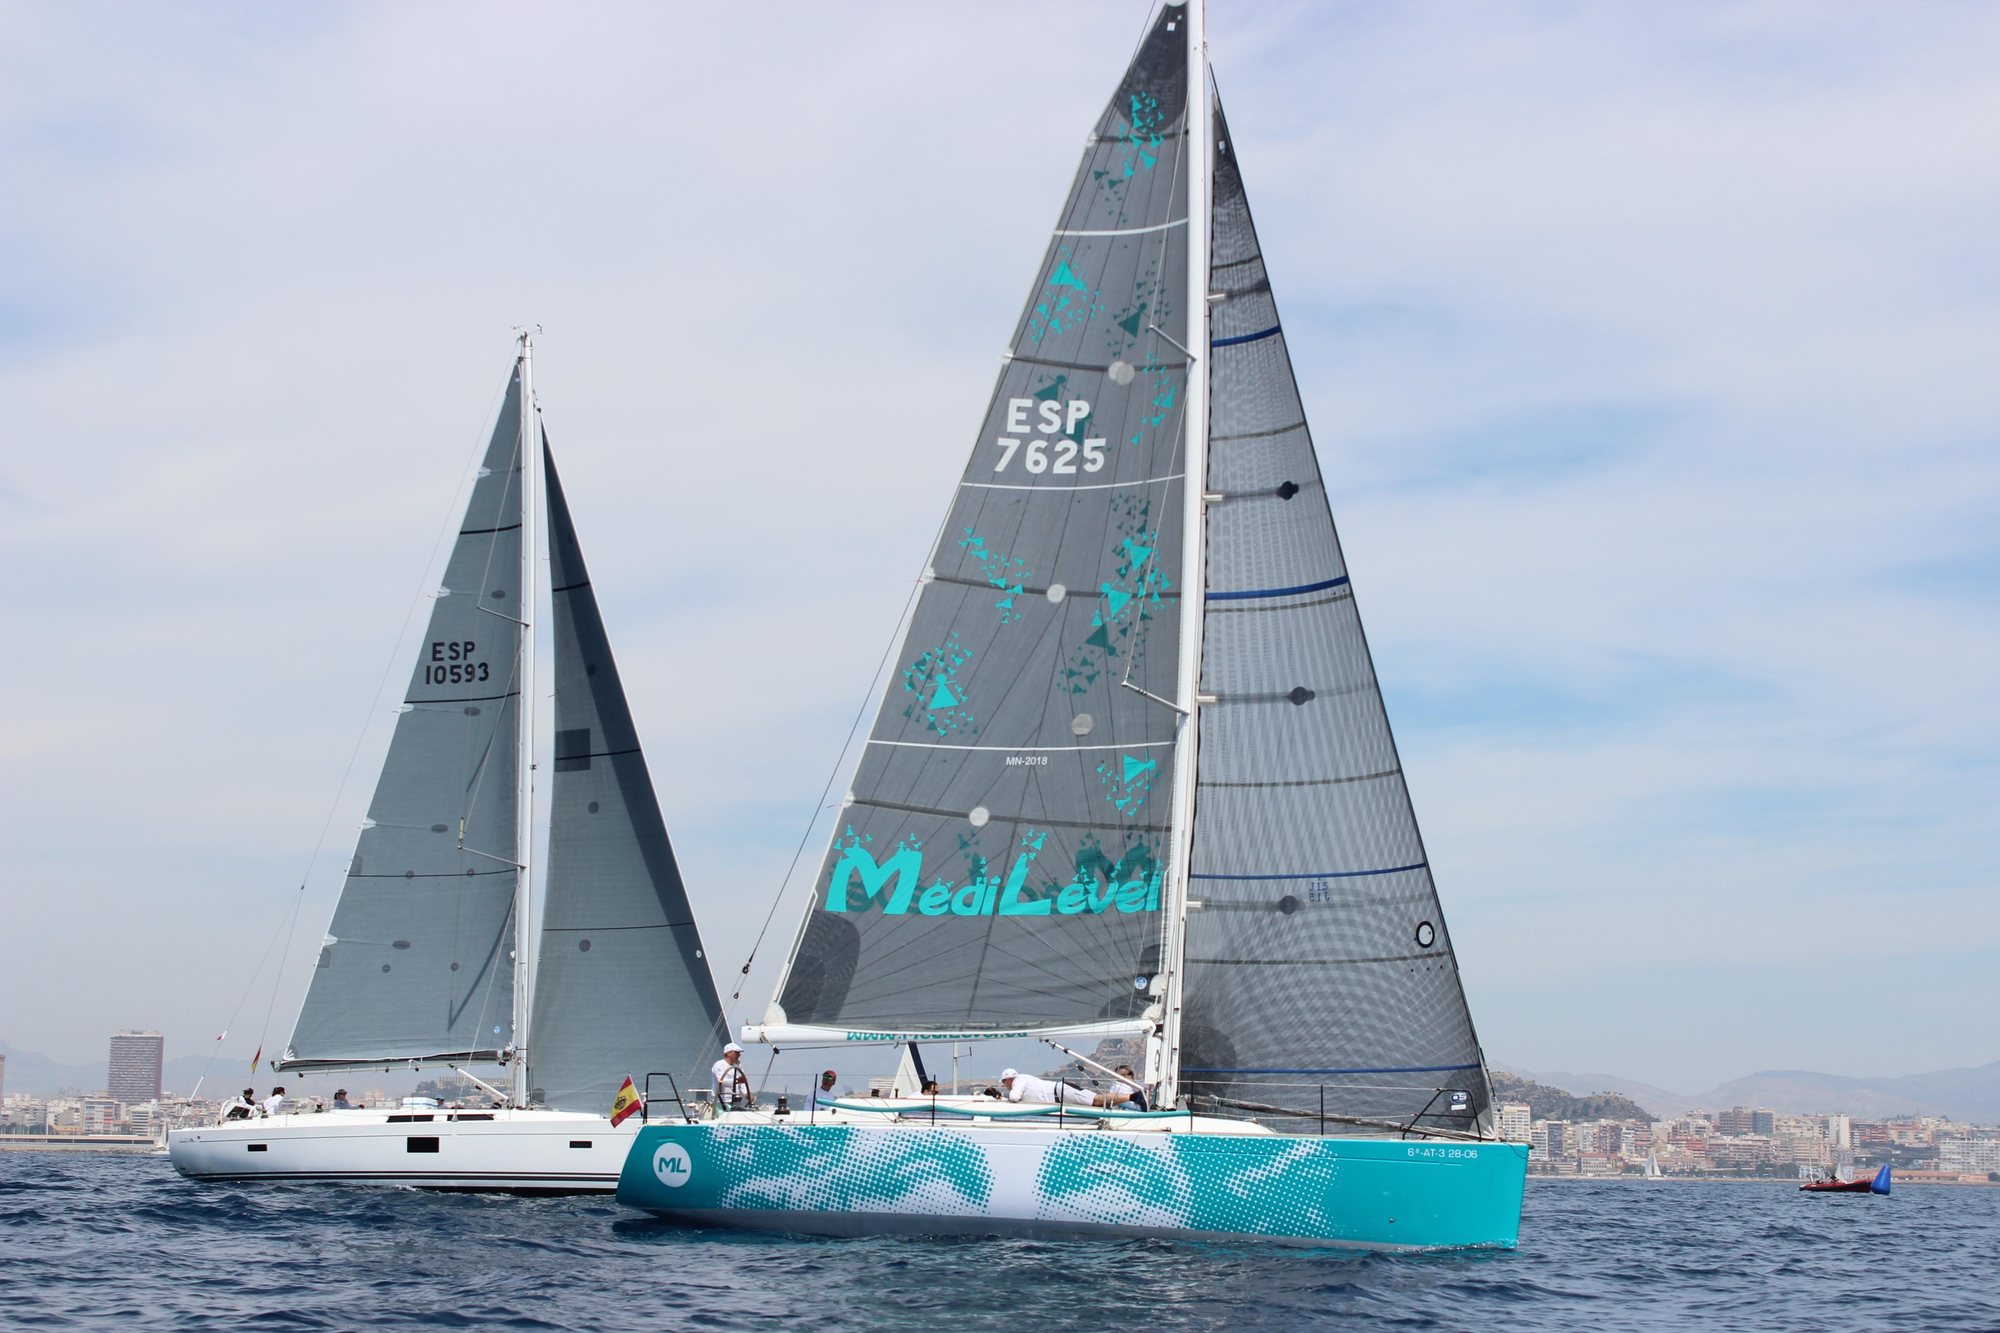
{"points": [[849, 1180]]}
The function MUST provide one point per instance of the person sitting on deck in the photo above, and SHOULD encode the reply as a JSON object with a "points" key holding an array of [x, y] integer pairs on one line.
{"points": [[241, 1106], [340, 1102], [275, 1103], [1027, 1088], [824, 1095]]}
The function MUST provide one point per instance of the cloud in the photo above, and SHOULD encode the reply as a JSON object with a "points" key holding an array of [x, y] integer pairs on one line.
{"points": [[1646, 352]]}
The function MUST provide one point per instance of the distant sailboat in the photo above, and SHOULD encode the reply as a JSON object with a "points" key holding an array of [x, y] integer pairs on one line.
{"points": [[427, 959], [1134, 780], [1652, 1165]]}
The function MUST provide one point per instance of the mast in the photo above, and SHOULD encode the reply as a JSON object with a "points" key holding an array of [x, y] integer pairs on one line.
{"points": [[524, 821], [1194, 579]]}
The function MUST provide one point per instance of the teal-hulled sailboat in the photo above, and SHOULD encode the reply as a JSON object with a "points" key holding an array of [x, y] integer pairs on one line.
{"points": [[1134, 781]]}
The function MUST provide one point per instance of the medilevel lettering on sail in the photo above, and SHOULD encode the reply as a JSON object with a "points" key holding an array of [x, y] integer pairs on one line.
{"points": [[1096, 889]]}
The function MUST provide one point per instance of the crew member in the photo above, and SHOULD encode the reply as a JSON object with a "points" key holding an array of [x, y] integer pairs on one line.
{"points": [[340, 1102], [824, 1095], [275, 1103], [732, 1081], [1027, 1088], [1126, 1092], [242, 1106]]}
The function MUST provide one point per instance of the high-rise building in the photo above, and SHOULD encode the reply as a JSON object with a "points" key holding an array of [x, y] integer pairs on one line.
{"points": [[1763, 1122], [1514, 1122], [136, 1060], [1735, 1121]]}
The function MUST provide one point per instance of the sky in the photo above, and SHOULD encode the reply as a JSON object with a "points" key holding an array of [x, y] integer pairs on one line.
{"points": [[1648, 350]]}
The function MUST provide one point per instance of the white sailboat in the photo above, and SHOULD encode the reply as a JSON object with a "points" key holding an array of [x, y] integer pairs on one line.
{"points": [[1134, 780], [437, 956]]}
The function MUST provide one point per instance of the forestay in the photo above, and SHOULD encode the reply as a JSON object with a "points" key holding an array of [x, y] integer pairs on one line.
{"points": [[1318, 954], [998, 866], [621, 987], [416, 962]]}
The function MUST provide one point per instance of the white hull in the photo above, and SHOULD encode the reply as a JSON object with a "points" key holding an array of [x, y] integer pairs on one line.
{"points": [[518, 1152]]}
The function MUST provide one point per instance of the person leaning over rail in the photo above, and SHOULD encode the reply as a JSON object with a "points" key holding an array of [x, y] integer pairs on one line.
{"points": [[1027, 1088]]}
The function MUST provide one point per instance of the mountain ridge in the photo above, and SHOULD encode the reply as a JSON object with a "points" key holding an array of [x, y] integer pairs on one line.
{"points": [[1970, 1093]]}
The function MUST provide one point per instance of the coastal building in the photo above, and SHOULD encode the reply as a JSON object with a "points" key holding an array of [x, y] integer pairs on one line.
{"points": [[137, 1059], [1839, 1131], [1969, 1155], [1515, 1122], [99, 1115], [1740, 1120]]}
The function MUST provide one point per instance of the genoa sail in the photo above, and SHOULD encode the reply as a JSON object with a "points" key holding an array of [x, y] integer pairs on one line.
{"points": [[416, 961], [998, 865], [1318, 955], [621, 986]]}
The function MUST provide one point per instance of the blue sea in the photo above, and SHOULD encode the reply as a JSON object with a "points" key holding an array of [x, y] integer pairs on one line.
{"points": [[89, 1241]]}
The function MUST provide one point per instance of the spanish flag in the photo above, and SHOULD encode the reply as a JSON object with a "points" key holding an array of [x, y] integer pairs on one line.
{"points": [[625, 1103]]}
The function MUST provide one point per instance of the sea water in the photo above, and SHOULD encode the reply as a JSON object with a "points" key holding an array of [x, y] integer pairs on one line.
{"points": [[97, 1241]]}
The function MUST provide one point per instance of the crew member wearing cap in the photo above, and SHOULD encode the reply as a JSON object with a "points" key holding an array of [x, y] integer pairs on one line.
{"points": [[732, 1081], [1027, 1088], [824, 1095]]}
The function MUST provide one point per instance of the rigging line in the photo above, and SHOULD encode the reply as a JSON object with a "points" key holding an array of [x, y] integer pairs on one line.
{"points": [[916, 588], [241, 1001], [278, 981]]}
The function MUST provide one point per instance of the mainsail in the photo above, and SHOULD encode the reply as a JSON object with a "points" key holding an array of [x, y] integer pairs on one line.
{"points": [[998, 866], [1318, 955], [416, 962], [621, 987]]}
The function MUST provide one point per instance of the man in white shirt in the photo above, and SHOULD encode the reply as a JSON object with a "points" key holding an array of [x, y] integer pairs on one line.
{"points": [[824, 1095], [732, 1081], [1027, 1088], [274, 1103]]}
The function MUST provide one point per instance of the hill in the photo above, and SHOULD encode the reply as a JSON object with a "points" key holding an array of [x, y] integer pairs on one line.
{"points": [[1547, 1103]]}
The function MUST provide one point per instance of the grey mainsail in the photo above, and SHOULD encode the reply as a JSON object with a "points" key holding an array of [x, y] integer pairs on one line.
{"points": [[416, 963], [1318, 955], [621, 987], [998, 865]]}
